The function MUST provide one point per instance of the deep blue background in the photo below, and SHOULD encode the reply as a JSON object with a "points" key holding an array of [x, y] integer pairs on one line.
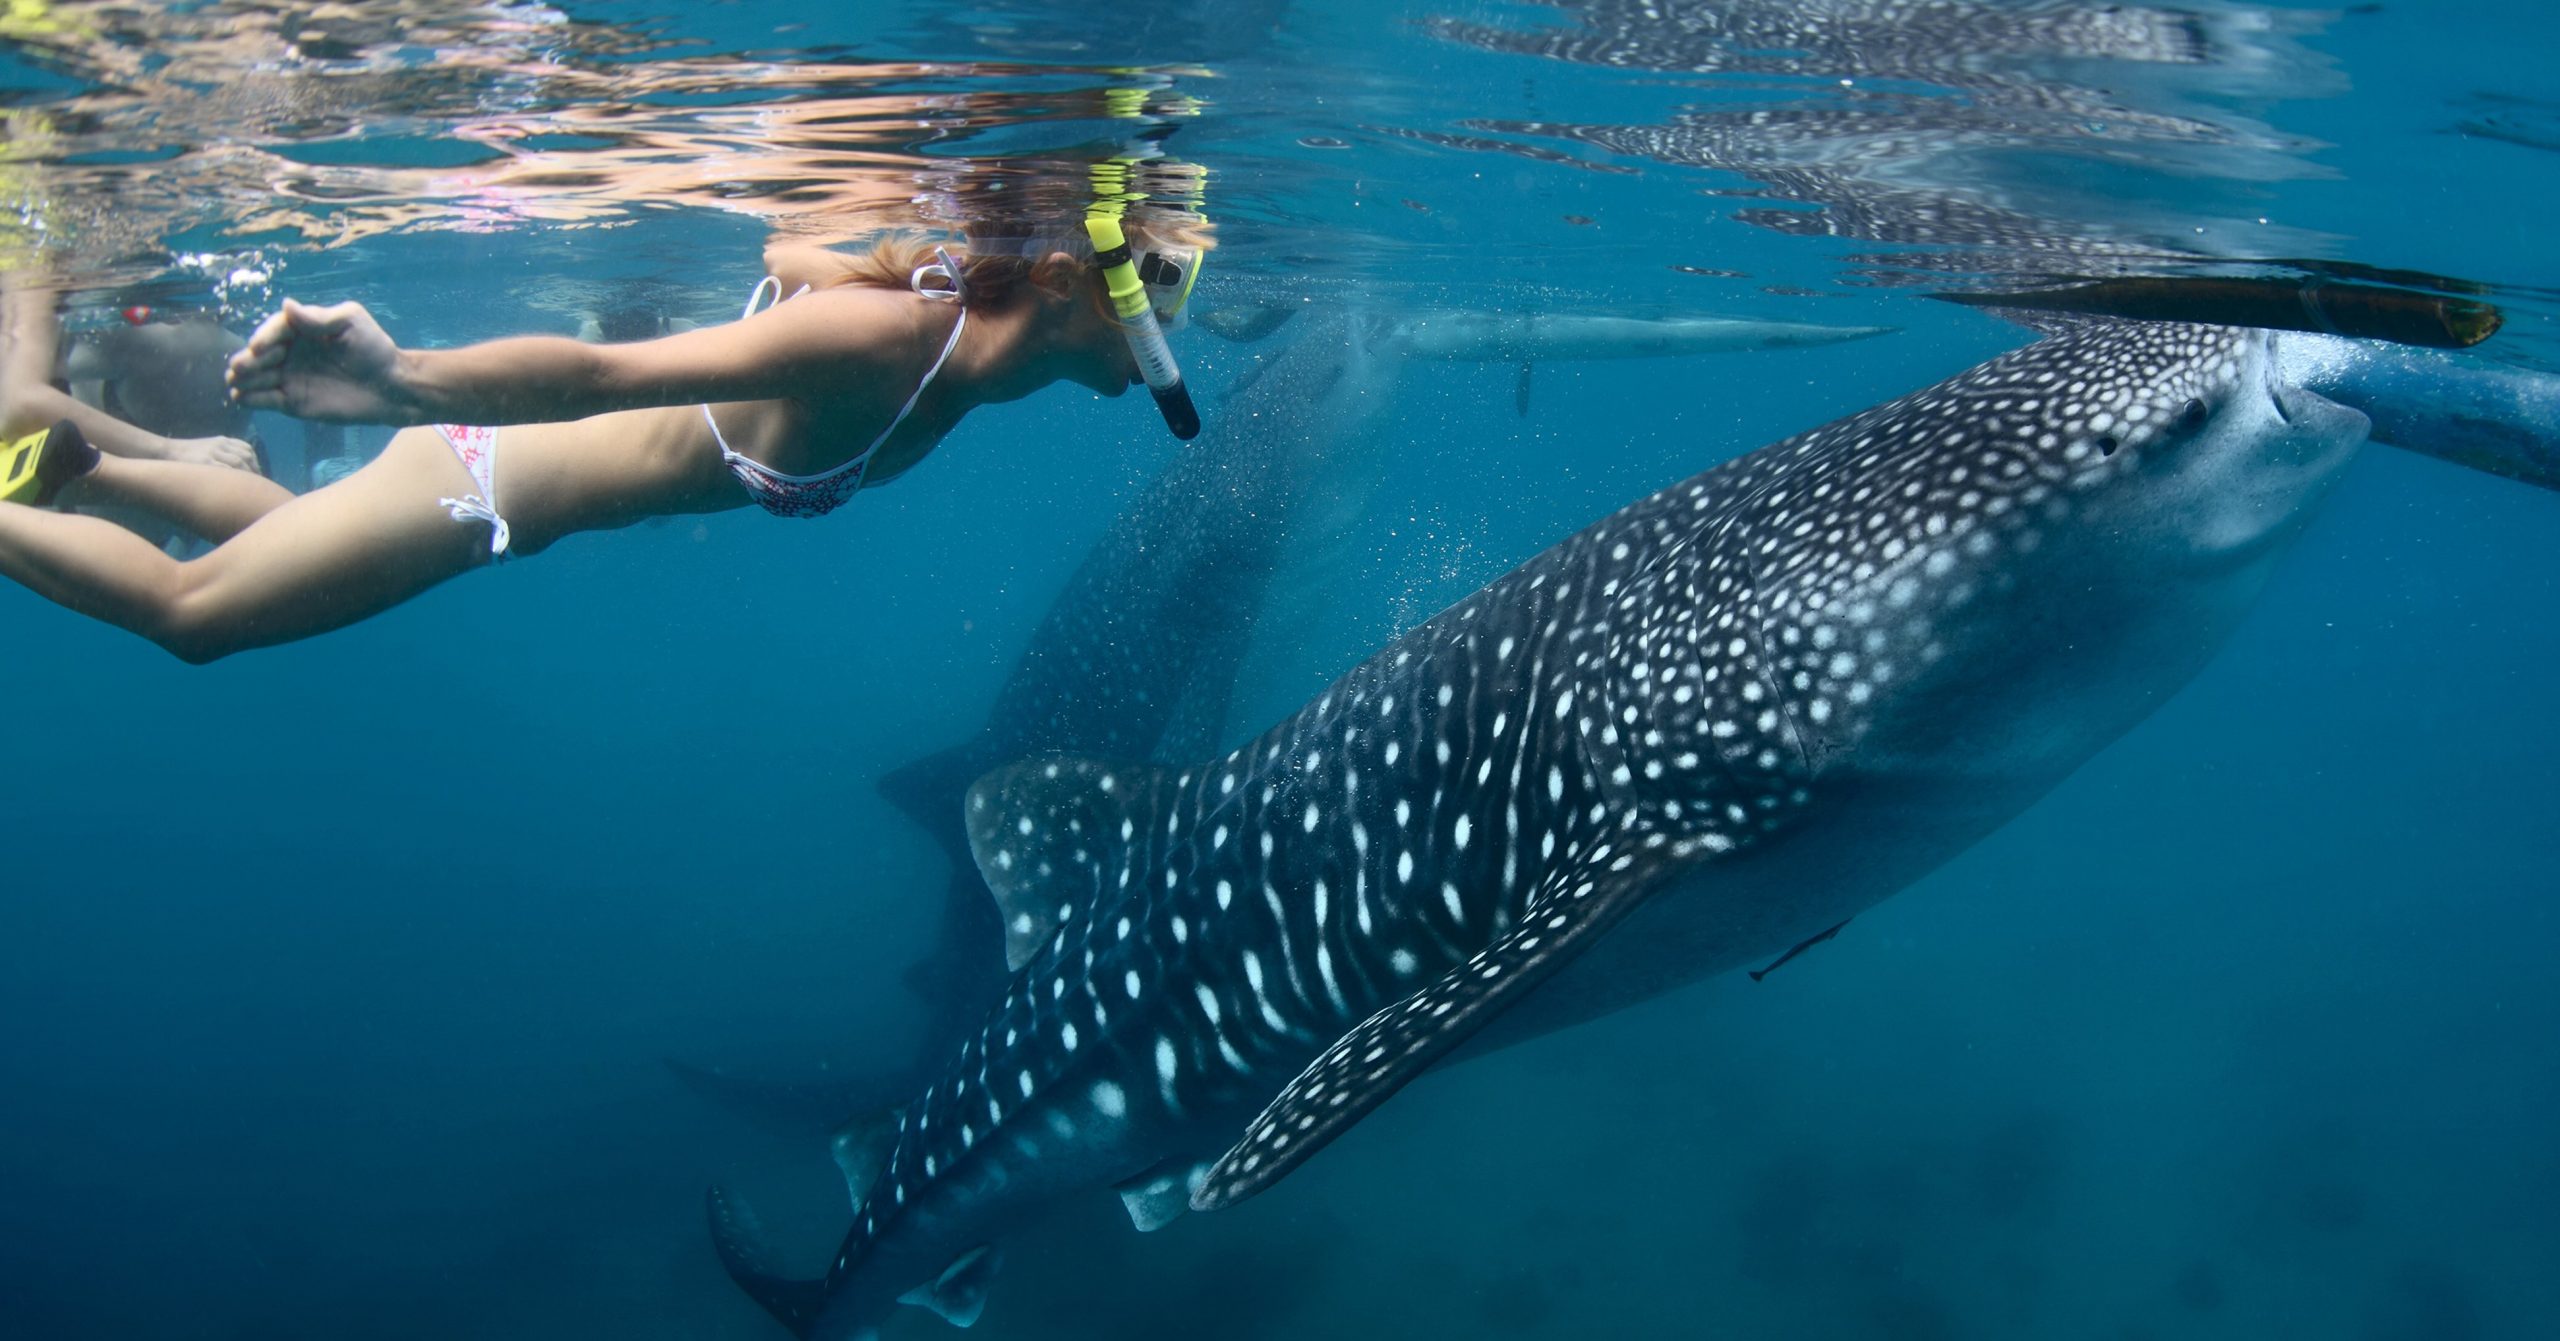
{"points": [[335, 979]]}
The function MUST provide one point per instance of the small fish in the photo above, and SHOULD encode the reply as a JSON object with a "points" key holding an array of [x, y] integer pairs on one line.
{"points": [[1807, 944]]}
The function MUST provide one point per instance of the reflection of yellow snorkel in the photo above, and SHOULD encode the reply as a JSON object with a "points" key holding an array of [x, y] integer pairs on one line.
{"points": [[1130, 301]]}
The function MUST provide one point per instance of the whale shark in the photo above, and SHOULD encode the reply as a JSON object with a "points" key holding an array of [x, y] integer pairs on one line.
{"points": [[1691, 737], [1135, 656]]}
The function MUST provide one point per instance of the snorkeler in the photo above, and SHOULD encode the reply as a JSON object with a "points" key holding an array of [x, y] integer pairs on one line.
{"points": [[163, 370], [518, 442], [31, 404]]}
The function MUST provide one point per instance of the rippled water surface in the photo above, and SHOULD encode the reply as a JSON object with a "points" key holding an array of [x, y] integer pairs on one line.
{"points": [[341, 981]]}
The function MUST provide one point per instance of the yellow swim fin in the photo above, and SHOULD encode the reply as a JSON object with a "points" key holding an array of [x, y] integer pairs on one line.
{"points": [[34, 467]]}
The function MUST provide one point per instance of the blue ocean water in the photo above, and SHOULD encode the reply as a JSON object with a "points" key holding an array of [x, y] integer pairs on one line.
{"points": [[341, 979]]}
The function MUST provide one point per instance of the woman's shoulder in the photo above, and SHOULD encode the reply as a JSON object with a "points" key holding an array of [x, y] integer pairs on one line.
{"points": [[849, 346], [860, 324]]}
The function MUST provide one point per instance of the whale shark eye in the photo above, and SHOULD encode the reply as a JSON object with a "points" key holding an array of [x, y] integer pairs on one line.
{"points": [[2107, 444], [2192, 416]]}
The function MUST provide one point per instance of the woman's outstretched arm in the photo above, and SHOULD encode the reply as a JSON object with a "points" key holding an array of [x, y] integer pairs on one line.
{"points": [[336, 363]]}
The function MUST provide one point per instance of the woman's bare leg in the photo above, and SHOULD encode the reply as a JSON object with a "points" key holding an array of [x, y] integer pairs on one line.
{"points": [[30, 333], [212, 503], [316, 563]]}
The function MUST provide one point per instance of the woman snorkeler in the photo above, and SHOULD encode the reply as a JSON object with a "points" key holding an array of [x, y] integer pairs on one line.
{"points": [[793, 408]]}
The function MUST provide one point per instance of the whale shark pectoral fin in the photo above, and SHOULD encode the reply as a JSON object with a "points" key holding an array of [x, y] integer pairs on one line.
{"points": [[1042, 831], [739, 1239], [861, 1149], [1159, 1196], [959, 1294], [1377, 1058]]}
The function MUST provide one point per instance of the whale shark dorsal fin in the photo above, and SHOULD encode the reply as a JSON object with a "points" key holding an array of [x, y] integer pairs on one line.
{"points": [[959, 1294], [862, 1148], [1051, 837], [1401, 1041], [1159, 1196]]}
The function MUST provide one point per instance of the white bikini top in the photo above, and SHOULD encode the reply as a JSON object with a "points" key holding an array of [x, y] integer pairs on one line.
{"points": [[787, 495]]}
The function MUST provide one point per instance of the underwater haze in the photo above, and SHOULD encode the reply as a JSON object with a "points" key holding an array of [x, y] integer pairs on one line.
{"points": [[366, 987]]}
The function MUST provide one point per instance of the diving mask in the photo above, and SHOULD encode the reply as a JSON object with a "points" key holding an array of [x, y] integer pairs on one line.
{"points": [[1168, 275]]}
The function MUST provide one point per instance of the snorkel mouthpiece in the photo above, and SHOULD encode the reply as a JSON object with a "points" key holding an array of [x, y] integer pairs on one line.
{"points": [[1138, 322]]}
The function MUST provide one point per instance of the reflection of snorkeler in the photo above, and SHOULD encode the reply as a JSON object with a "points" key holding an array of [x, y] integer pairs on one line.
{"points": [[630, 320], [793, 408]]}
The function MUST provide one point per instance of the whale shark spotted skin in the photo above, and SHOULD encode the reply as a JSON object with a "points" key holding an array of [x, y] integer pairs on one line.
{"points": [[1736, 713]]}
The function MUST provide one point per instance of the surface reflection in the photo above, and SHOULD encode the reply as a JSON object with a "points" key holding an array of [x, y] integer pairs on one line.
{"points": [[322, 125], [2020, 144]]}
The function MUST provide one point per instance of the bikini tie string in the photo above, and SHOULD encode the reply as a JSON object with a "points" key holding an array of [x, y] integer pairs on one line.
{"points": [[472, 507]]}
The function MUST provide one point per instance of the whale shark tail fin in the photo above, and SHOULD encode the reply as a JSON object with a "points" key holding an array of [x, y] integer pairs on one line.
{"points": [[739, 1239]]}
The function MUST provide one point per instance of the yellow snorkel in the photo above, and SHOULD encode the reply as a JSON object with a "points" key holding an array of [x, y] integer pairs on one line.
{"points": [[1129, 300]]}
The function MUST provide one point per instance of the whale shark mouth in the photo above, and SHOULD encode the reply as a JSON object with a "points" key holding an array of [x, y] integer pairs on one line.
{"points": [[2285, 478]]}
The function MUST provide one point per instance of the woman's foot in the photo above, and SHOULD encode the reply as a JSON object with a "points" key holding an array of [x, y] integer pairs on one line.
{"points": [[232, 452]]}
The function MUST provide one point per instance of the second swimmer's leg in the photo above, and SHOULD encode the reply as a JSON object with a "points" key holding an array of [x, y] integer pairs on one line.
{"points": [[319, 562], [212, 503]]}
